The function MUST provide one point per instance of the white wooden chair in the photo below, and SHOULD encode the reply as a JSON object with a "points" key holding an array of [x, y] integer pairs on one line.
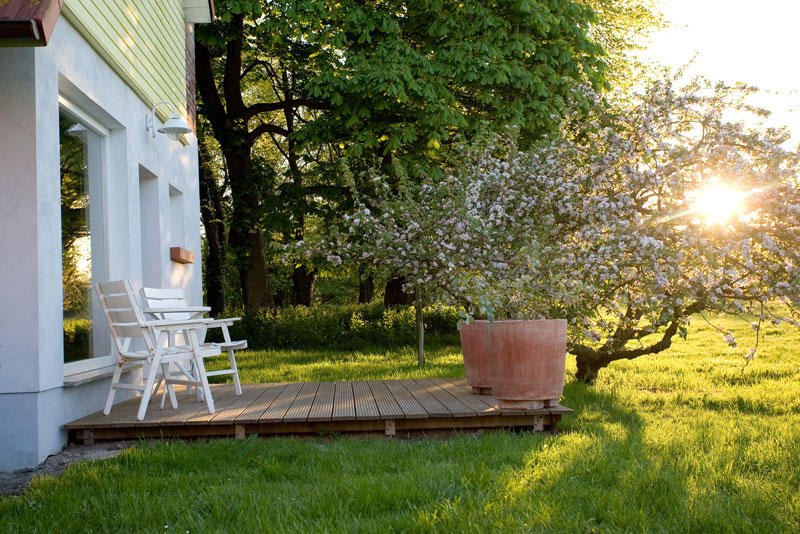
{"points": [[170, 303], [129, 328]]}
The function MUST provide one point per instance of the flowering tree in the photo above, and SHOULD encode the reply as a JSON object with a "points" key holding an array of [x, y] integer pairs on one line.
{"points": [[607, 225], [691, 211]]}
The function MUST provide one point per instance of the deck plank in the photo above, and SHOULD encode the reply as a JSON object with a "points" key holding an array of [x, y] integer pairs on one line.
{"points": [[480, 404], [251, 393], [366, 407], [322, 409], [281, 405], [448, 398], [254, 412], [343, 403], [224, 398], [127, 409], [190, 409], [411, 408], [123, 412], [385, 401], [432, 407], [301, 406]]}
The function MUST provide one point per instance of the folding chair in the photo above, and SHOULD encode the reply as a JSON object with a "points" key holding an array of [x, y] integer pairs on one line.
{"points": [[129, 329], [170, 303]]}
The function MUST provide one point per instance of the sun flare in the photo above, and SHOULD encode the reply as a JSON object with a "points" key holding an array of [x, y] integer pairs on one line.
{"points": [[717, 203]]}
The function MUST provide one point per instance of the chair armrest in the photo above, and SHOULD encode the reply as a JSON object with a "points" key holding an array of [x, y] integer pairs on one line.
{"points": [[167, 325], [228, 321], [224, 324], [163, 313], [179, 309]]}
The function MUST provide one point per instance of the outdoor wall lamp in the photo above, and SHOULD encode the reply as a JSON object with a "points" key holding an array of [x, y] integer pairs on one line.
{"points": [[174, 126]]}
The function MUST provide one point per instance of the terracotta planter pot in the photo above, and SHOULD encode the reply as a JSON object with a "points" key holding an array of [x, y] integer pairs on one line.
{"points": [[528, 360], [475, 345]]}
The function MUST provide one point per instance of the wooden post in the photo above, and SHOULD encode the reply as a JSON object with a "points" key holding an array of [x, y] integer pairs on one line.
{"points": [[420, 330]]}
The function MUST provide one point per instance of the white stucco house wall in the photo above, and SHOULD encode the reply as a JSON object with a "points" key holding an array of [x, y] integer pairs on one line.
{"points": [[104, 64]]}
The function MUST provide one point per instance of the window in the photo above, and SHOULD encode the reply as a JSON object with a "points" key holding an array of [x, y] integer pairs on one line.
{"points": [[176, 209], [149, 224], [82, 153]]}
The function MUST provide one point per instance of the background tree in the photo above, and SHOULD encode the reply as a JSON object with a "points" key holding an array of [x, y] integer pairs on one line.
{"points": [[621, 28], [237, 125], [399, 81], [213, 217], [658, 156]]}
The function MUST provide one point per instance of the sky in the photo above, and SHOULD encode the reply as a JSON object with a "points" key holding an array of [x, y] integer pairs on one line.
{"points": [[757, 42]]}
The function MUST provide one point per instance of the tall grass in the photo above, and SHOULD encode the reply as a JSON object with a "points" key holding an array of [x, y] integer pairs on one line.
{"points": [[688, 441]]}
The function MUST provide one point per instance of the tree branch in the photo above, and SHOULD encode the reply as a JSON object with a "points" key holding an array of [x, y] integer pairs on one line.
{"points": [[265, 128], [231, 80], [269, 107], [213, 108], [605, 355]]}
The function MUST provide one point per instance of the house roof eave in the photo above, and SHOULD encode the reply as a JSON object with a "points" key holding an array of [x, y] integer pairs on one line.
{"points": [[28, 23]]}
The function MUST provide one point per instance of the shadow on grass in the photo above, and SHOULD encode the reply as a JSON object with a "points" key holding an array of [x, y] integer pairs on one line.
{"points": [[606, 472], [615, 469], [597, 474]]}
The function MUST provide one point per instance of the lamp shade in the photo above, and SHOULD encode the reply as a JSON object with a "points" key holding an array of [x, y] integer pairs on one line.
{"points": [[175, 126]]}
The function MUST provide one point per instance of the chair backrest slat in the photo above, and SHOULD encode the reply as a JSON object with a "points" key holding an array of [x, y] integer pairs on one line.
{"points": [[155, 297], [123, 315], [127, 330], [115, 287], [117, 300], [158, 293]]}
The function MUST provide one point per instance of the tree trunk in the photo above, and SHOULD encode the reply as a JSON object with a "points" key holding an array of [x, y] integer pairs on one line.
{"points": [[394, 294], [303, 282], [214, 224], [591, 360], [588, 369], [253, 275], [245, 236], [366, 288], [420, 329]]}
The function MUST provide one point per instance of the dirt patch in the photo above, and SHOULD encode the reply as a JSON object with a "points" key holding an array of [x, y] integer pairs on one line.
{"points": [[15, 483]]}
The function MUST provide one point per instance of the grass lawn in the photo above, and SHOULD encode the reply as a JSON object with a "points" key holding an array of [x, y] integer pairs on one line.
{"points": [[687, 441]]}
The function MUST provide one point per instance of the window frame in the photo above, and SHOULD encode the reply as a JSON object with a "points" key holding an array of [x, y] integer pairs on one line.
{"points": [[99, 211]]}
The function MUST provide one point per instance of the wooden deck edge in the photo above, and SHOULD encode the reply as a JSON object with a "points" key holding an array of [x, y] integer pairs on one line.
{"points": [[114, 423], [389, 427]]}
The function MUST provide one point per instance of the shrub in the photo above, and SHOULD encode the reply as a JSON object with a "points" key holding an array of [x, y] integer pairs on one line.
{"points": [[77, 336], [345, 326]]}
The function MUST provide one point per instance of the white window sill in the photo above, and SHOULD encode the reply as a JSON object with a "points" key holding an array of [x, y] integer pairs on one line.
{"points": [[86, 377], [89, 370]]}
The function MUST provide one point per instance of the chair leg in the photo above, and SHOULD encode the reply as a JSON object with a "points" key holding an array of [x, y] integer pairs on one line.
{"points": [[201, 372], [112, 390], [148, 387], [164, 393], [193, 370], [237, 385], [168, 387]]}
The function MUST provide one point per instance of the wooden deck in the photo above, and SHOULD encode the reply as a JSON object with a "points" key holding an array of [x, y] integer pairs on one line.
{"points": [[402, 408]]}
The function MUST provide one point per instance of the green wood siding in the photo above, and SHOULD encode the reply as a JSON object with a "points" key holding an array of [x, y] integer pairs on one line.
{"points": [[144, 41]]}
